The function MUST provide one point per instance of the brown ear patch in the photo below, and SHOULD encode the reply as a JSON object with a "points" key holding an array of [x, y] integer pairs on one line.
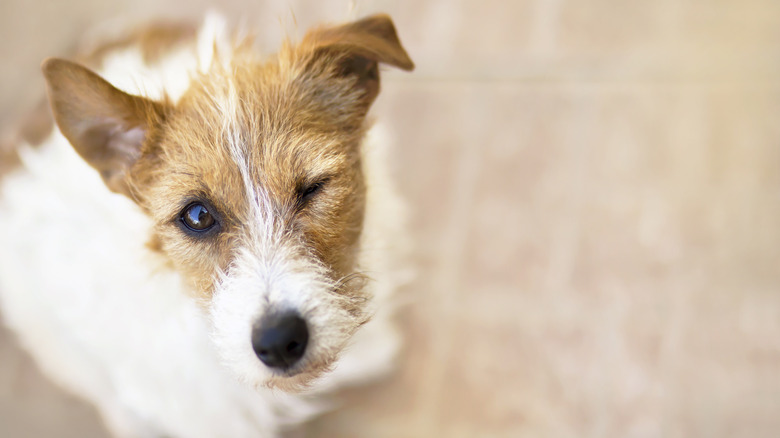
{"points": [[106, 126], [373, 38], [357, 48]]}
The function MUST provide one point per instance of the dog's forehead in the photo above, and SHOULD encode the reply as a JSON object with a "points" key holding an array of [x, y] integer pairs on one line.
{"points": [[250, 130]]}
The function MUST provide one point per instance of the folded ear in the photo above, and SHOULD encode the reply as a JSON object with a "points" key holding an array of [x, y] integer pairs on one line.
{"points": [[106, 126], [358, 47]]}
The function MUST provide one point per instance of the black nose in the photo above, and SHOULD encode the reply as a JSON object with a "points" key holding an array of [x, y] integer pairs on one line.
{"points": [[280, 340]]}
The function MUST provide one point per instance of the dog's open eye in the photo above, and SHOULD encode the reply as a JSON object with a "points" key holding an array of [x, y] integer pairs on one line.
{"points": [[197, 217]]}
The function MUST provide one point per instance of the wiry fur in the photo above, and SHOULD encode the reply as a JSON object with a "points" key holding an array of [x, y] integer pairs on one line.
{"points": [[153, 324]]}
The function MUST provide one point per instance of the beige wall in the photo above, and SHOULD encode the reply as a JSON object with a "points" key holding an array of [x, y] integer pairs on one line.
{"points": [[596, 189]]}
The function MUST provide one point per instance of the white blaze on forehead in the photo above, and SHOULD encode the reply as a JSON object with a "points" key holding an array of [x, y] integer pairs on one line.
{"points": [[235, 125]]}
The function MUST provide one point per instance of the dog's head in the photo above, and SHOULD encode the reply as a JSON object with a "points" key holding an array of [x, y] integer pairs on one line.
{"points": [[253, 182]]}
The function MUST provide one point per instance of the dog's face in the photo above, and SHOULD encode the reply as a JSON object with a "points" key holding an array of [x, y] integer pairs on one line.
{"points": [[253, 182]]}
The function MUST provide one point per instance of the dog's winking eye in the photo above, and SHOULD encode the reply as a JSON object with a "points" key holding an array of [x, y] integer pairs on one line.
{"points": [[306, 192], [196, 217]]}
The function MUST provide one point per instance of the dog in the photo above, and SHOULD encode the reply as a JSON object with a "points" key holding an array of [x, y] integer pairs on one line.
{"points": [[209, 241]]}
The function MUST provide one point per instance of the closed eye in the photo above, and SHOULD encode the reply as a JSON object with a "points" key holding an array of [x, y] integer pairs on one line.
{"points": [[308, 191]]}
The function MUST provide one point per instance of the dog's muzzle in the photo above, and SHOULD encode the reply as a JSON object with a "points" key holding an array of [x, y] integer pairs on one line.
{"points": [[279, 340]]}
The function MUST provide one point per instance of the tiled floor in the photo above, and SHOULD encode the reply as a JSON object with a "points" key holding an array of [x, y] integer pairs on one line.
{"points": [[596, 189]]}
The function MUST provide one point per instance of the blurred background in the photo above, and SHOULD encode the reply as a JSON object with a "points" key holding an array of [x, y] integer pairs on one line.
{"points": [[595, 188]]}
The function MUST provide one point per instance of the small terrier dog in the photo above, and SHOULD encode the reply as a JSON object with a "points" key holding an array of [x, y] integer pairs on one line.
{"points": [[253, 248]]}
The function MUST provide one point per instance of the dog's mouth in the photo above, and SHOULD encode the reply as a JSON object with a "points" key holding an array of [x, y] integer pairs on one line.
{"points": [[306, 360], [286, 340], [299, 377], [283, 343]]}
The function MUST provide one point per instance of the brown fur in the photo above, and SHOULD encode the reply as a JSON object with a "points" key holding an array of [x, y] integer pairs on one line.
{"points": [[9, 160], [298, 117]]}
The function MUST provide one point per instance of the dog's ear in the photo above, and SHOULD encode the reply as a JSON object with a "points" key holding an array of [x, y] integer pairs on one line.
{"points": [[356, 48], [106, 126]]}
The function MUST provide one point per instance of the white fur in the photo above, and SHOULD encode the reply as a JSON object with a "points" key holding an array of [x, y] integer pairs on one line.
{"points": [[110, 322]]}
